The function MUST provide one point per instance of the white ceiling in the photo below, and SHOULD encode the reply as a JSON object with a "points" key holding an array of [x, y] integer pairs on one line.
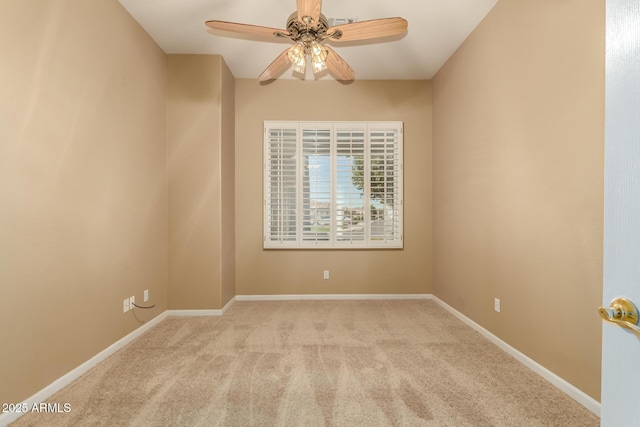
{"points": [[436, 29]]}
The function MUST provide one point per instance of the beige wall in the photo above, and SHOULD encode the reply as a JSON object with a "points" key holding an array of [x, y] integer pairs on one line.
{"points": [[518, 116], [352, 271], [83, 194], [228, 200], [200, 135]]}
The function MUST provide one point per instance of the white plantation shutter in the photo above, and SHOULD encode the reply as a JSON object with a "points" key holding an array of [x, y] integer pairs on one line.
{"points": [[281, 186], [350, 184], [316, 184], [385, 179], [333, 184]]}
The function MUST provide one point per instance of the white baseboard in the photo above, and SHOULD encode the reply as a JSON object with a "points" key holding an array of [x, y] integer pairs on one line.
{"points": [[187, 313], [564, 386], [69, 377], [193, 313], [330, 297]]}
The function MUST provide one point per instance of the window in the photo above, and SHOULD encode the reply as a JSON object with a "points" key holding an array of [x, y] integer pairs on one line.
{"points": [[333, 185]]}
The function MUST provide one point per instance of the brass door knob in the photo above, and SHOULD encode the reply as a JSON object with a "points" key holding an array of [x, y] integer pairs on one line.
{"points": [[623, 313]]}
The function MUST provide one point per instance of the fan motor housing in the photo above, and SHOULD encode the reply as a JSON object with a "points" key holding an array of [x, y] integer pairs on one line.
{"points": [[300, 30]]}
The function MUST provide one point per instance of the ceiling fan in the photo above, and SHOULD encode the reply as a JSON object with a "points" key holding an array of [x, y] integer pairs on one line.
{"points": [[308, 29]]}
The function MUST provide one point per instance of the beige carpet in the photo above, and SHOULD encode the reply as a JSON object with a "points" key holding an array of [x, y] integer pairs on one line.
{"points": [[314, 363]]}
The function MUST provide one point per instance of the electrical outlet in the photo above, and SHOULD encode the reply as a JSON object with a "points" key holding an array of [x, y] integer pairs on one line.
{"points": [[132, 302], [326, 275], [125, 305], [496, 305], [146, 295]]}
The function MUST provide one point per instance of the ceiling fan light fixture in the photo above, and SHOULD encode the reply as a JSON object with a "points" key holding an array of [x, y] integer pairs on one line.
{"points": [[297, 56], [318, 56]]}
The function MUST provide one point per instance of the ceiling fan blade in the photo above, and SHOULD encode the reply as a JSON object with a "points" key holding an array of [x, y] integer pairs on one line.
{"points": [[338, 67], [274, 69], [309, 8], [369, 29], [255, 30]]}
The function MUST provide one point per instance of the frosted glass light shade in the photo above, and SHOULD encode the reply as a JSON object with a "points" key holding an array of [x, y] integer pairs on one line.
{"points": [[297, 56]]}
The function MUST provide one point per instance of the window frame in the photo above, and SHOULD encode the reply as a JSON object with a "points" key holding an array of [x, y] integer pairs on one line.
{"points": [[271, 156]]}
